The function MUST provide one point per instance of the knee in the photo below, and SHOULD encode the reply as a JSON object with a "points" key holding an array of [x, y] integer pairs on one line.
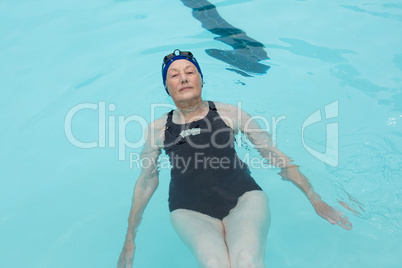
{"points": [[248, 259], [213, 261]]}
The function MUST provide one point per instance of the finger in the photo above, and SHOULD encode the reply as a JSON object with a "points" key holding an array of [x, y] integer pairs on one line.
{"points": [[330, 220], [331, 215], [334, 217], [344, 223], [348, 226]]}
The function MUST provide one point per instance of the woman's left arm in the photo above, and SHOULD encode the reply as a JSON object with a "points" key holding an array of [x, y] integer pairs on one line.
{"points": [[263, 143]]}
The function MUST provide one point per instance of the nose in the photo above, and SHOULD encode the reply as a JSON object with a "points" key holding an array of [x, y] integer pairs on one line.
{"points": [[183, 77]]}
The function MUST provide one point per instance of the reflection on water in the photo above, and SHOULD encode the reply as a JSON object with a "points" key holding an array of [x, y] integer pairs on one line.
{"points": [[246, 53]]}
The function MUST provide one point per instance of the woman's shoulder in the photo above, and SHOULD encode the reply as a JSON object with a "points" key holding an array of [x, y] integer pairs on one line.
{"points": [[156, 131], [226, 108], [159, 123]]}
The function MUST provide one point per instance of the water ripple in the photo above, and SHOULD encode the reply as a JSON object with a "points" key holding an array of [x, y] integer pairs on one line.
{"points": [[398, 61], [303, 48], [384, 15], [368, 180], [349, 76]]}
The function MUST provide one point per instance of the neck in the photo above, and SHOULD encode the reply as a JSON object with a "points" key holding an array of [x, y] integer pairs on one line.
{"points": [[191, 108]]}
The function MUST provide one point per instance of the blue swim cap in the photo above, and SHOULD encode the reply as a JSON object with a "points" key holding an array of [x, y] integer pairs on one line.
{"points": [[183, 55]]}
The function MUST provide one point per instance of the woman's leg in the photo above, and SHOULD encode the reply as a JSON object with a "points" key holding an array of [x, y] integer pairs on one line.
{"points": [[246, 230], [204, 235]]}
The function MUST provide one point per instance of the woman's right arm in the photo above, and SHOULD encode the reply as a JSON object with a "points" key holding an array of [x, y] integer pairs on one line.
{"points": [[144, 188]]}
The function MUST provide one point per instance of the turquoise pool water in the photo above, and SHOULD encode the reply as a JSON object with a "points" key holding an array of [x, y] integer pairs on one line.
{"points": [[62, 205]]}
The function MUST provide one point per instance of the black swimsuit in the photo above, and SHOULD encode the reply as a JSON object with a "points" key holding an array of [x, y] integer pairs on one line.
{"points": [[207, 175]]}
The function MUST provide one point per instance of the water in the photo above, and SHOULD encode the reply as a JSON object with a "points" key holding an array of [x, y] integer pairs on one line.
{"points": [[64, 206]]}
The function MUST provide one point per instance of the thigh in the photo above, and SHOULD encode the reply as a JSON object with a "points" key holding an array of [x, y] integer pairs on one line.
{"points": [[203, 234], [246, 228]]}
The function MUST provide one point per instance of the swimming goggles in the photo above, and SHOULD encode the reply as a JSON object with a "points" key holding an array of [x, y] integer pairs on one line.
{"points": [[187, 54]]}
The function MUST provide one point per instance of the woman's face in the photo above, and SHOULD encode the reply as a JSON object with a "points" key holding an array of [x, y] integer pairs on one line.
{"points": [[183, 80]]}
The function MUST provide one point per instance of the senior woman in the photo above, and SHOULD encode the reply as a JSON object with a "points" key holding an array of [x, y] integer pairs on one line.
{"points": [[216, 207]]}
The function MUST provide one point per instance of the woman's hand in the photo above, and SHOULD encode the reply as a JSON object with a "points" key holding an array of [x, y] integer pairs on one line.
{"points": [[330, 214], [127, 254]]}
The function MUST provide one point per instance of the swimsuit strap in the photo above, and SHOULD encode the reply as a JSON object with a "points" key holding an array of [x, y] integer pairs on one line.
{"points": [[212, 106], [169, 118], [169, 122]]}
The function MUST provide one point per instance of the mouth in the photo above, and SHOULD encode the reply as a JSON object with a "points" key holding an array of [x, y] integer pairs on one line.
{"points": [[185, 88]]}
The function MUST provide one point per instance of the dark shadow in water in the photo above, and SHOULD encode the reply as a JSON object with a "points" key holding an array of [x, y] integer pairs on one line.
{"points": [[246, 52]]}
